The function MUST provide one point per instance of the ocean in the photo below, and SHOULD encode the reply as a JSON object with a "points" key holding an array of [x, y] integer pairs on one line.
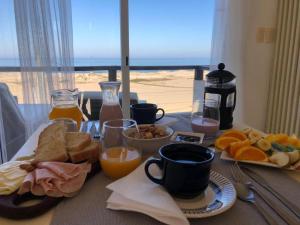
{"points": [[117, 61]]}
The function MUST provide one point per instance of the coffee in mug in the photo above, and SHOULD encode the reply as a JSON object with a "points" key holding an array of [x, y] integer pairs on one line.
{"points": [[145, 113], [185, 169]]}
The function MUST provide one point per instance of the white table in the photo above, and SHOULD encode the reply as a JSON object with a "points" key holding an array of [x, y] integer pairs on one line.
{"points": [[45, 219]]}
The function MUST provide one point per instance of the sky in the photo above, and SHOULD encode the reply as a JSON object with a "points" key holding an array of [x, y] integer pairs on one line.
{"points": [[8, 46], [157, 28]]}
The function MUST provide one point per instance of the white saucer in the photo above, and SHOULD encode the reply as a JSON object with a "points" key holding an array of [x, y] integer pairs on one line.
{"points": [[167, 121], [219, 196]]}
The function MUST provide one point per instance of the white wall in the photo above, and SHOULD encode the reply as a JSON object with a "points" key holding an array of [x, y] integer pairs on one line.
{"points": [[258, 64]]}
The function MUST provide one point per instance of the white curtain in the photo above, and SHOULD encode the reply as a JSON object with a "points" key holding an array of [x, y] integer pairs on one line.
{"points": [[45, 44], [229, 39]]}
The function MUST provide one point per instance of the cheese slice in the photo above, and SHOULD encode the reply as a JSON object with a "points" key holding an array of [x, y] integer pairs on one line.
{"points": [[11, 177]]}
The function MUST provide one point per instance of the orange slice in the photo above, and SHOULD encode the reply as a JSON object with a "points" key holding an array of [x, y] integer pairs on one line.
{"points": [[236, 134], [250, 153], [278, 138], [297, 145], [233, 147], [292, 140], [223, 143]]}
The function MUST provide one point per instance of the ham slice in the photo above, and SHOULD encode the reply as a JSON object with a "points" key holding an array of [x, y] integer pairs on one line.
{"points": [[55, 179]]}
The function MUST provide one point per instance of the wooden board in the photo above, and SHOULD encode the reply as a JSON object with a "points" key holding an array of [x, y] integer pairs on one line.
{"points": [[11, 206]]}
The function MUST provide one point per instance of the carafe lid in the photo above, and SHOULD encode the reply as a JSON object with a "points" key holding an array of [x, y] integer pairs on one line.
{"points": [[220, 76]]}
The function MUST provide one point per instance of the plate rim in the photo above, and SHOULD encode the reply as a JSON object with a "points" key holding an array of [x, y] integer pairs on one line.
{"points": [[224, 207], [224, 156]]}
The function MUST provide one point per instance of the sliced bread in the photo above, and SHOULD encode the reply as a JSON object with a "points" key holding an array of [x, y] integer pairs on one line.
{"points": [[52, 151], [51, 144], [52, 132], [90, 153], [55, 144], [77, 141]]}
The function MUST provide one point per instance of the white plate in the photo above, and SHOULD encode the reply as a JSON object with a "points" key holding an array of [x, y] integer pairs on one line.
{"points": [[217, 198], [226, 156], [167, 121]]}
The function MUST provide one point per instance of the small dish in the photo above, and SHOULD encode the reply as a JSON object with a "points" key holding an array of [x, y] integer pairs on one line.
{"points": [[149, 146], [187, 137]]}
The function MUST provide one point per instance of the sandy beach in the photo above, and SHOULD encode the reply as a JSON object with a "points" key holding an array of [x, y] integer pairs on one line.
{"points": [[170, 90]]}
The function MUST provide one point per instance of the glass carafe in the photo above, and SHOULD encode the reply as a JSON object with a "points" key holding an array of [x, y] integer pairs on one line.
{"points": [[64, 104], [110, 109]]}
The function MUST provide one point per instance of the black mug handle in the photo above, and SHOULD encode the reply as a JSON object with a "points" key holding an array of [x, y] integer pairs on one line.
{"points": [[163, 114], [158, 162]]}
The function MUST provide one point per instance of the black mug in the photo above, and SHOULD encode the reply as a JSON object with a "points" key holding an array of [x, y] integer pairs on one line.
{"points": [[185, 169], [145, 113]]}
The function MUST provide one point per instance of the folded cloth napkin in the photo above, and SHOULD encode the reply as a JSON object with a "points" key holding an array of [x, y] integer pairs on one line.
{"points": [[136, 192], [55, 179]]}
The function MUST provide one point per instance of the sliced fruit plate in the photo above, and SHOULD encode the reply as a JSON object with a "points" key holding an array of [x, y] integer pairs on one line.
{"points": [[251, 146]]}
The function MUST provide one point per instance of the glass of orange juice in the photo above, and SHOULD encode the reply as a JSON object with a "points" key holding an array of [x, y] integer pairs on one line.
{"points": [[118, 158], [64, 104]]}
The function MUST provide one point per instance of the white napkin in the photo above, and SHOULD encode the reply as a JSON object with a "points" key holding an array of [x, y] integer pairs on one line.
{"points": [[136, 192]]}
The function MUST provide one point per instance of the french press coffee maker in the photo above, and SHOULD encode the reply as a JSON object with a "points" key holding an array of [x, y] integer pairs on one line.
{"points": [[221, 86]]}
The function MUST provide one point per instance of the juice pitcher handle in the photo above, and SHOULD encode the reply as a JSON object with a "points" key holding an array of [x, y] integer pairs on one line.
{"points": [[51, 100]]}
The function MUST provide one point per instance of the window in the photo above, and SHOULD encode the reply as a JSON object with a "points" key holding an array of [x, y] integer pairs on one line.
{"points": [[169, 33], [9, 49], [96, 39], [161, 33], [96, 32]]}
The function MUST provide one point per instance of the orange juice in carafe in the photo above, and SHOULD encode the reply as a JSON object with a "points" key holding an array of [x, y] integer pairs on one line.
{"points": [[66, 111], [65, 105]]}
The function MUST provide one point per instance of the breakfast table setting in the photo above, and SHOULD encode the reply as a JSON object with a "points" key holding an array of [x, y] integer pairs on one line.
{"points": [[153, 168], [92, 205]]}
